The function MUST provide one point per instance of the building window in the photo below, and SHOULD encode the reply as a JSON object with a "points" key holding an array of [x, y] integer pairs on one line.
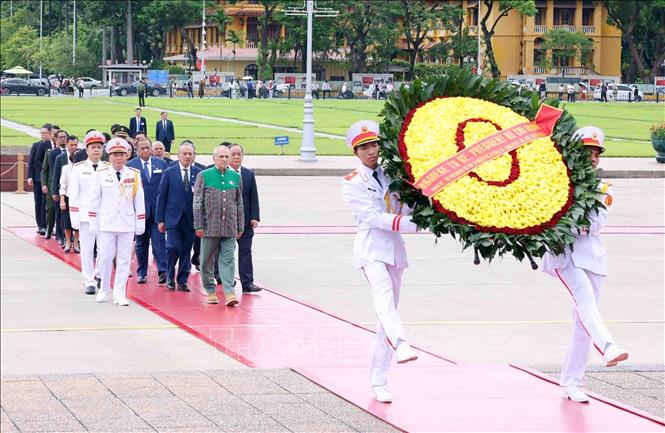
{"points": [[538, 52], [587, 17], [564, 16], [252, 70], [541, 16], [472, 16]]}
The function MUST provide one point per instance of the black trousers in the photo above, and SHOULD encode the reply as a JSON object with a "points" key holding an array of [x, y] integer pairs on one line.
{"points": [[40, 212], [167, 145], [141, 99], [245, 265]]}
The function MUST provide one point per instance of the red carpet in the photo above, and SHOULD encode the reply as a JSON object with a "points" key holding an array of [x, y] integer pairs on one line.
{"points": [[431, 394]]}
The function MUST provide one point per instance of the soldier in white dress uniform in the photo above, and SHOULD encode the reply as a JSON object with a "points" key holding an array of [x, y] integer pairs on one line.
{"points": [[80, 188], [582, 271], [117, 214], [379, 249]]}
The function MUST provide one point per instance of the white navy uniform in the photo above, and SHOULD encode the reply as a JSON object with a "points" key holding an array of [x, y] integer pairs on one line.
{"points": [[117, 213], [582, 271], [379, 252], [80, 191]]}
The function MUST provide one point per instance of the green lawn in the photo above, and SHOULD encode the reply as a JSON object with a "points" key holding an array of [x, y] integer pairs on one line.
{"points": [[626, 125]]}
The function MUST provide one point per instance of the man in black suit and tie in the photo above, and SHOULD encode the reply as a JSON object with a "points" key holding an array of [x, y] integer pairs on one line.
{"points": [[35, 165], [175, 215], [151, 170], [137, 123], [52, 200], [250, 199], [165, 132]]}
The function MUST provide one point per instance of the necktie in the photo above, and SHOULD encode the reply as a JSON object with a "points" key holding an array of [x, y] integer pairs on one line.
{"points": [[185, 180], [375, 175], [94, 166], [147, 170], [164, 125], [117, 174]]}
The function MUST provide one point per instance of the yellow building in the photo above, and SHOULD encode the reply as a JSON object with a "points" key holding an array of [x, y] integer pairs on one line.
{"points": [[516, 42]]}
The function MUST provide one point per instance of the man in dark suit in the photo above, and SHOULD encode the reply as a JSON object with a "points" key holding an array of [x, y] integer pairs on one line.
{"points": [[164, 131], [175, 215], [196, 246], [250, 199], [52, 199], [137, 123], [35, 164], [152, 170]]}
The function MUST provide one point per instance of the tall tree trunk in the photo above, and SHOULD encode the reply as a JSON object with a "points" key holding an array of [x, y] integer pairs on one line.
{"points": [[130, 34], [190, 44], [114, 48], [104, 47]]}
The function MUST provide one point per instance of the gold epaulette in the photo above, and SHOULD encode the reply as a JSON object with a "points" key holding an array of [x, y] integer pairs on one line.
{"points": [[351, 175]]}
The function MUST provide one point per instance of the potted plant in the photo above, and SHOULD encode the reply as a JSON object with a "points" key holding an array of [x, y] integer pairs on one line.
{"points": [[658, 141]]}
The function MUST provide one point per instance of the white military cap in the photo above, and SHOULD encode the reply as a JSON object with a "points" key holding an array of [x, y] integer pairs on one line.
{"points": [[362, 132], [93, 137], [117, 145], [591, 136]]}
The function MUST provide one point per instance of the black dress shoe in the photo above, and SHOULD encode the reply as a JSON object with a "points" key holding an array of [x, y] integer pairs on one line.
{"points": [[162, 278], [90, 290], [47, 236], [42, 231], [251, 288], [141, 280], [39, 231], [170, 284], [183, 288]]}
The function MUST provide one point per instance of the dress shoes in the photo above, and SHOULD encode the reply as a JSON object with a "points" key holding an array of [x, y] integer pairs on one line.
{"points": [[405, 353], [47, 235], [42, 231], [613, 355], [170, 284], [212, 298], [251, 288], [90, 290], [101, 296], [141, 280], [183, 288], [575, 394], [381, 394], [162, 278], [67, 250], [230, 299], [121, 301]]}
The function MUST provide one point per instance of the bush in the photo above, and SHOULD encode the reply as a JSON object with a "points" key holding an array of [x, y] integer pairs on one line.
{"points": [[658, 132], [176, 70]]}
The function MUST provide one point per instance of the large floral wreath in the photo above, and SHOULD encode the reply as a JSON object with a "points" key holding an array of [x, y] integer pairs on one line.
{"points": [[525, 202]]}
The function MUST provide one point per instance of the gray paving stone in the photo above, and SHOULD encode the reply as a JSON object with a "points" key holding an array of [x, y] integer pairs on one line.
{"points": [[50, 426], [89, 388], [322, 426], [188, 429], [140, 387], [124, 375], [8, 427], [292, 381], [40, 411], [625, 380], [199, 422], [246, 422], [657, 376], [247, 382], [161, 407], [213, 390], [218, 405], [117, 425], [348, 414], [657, 393]]}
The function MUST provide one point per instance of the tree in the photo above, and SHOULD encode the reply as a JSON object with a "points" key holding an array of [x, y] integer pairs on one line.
{"points": [[524, 7], [419, 19], [640, 22], [222, 21], [235, 38], [20, 48], [266, 21], [130, 34], [561, 44]]}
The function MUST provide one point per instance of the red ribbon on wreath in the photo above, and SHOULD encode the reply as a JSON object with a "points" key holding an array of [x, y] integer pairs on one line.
{"points": [[487, 149]]}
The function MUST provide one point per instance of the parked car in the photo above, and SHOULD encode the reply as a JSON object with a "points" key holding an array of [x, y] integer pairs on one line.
{"points": [[151, 87], [624, 93], [90, 83], [19, 85], [43, 81]]}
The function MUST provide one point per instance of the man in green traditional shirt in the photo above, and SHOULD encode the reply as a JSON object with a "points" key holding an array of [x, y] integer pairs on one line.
{"points": [[219, 221]]}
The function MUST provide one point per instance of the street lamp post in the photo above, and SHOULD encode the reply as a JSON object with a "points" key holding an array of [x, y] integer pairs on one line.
{"points": [[309, 9]]}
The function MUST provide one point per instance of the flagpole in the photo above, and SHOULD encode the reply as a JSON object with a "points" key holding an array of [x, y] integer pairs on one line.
{"points": [[41, 32]]}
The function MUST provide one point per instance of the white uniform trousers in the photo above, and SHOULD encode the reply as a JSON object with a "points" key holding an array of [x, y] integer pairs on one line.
{"points": [[87, 242], [118, 245], [584, 287], [385, 281]]}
